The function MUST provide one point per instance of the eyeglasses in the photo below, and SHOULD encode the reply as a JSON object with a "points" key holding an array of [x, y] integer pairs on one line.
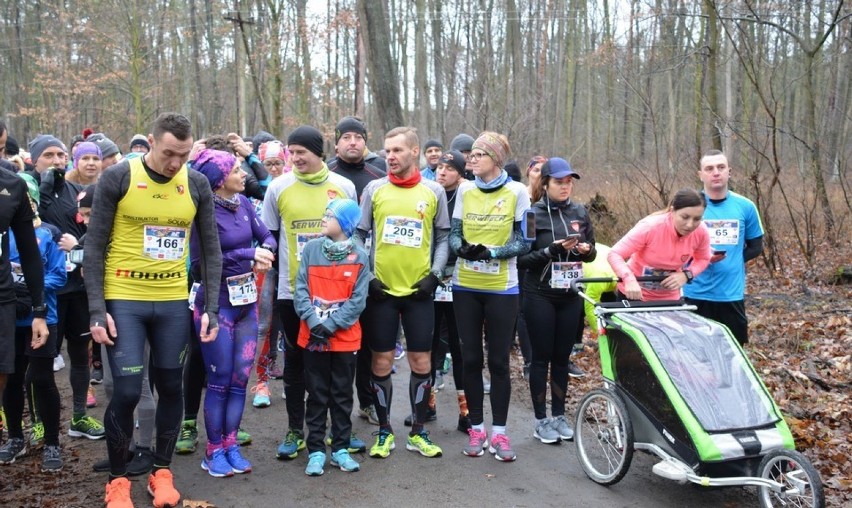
{"points": [[475, 156], [328, 215], [269, 164]]}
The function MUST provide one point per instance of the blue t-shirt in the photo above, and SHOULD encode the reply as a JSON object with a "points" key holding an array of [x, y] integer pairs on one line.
{"points": [[427, 173], [730, 223]]}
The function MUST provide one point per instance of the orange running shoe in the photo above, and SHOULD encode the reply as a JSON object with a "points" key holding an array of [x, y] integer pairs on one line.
{"points": [[118, 494], [161, 485]]}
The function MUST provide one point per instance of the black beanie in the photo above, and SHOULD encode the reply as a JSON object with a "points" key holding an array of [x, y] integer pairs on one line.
{"points": [[12, 147], [455, 160], [141, 141], [86, 196], [349, 124], [309, 137], [433, 143], [513, 170]]}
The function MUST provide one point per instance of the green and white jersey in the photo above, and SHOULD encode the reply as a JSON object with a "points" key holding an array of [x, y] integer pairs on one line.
{"points": [[404, 222], [488, 218], [295, 208]]}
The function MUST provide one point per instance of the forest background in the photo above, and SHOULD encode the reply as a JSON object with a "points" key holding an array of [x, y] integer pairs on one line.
{"points": [[632, 92]]}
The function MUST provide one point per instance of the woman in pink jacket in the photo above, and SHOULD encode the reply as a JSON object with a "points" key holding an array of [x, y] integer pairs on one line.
{"points": [[673, 243]]}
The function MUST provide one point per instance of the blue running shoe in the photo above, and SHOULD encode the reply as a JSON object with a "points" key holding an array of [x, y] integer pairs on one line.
{"points": [[316, 462], [399, 351], [235, 458], [356, 444], [344, 461], [294, 442], [217, 464]]}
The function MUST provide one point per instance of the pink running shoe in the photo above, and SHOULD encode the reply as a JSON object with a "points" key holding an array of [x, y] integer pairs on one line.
{"points": [[477, 443], [501, 448]]}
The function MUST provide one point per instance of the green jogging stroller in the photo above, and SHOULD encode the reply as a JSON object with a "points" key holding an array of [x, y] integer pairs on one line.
{"points": [[679, 386]]}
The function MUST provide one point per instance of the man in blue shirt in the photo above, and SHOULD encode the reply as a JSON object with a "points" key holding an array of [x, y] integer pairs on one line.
{"points": [[736, 237]]}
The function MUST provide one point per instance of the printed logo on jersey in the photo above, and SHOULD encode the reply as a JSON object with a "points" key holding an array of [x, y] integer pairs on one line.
{"points": [[421, 209], [332, 194], [499, 205], [180, 189], [141, 185], [575, 225]]}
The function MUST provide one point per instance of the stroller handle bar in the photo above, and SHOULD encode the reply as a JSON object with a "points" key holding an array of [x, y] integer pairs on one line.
{"points": [[628, 305]]}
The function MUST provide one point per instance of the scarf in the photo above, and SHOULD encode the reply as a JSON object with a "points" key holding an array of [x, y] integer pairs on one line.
{"points": [[409, 182], [493, 185], [336, 251], [228, 204], [313, 178]]}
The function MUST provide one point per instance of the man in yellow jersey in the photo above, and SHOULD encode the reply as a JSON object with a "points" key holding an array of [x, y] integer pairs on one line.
{"points": [[293, 210], [135, 264], [408, 217]]}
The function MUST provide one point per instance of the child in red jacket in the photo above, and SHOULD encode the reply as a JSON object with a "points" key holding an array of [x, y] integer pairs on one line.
{"points": [[331, 292]]}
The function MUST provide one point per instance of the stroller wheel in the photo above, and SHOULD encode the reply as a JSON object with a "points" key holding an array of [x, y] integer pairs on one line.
{"points": [[604, 436], [801, 481]]}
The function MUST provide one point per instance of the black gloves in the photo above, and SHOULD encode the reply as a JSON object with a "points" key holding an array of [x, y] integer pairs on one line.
{"points": [[426, 287], [556, 249], [473, 252], [377, 290], [318, 340]]}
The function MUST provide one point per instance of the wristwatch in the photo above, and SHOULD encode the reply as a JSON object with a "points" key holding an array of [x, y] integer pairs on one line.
{"points": [[689, 276], [40, 311]]}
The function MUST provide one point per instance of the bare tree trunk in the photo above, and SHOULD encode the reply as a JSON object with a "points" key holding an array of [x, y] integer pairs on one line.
{"points": [[437, 69], [384, 82], [360, 73]]}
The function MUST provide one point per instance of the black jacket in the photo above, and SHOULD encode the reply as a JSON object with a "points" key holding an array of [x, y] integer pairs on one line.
{"points": [[554, 221]]}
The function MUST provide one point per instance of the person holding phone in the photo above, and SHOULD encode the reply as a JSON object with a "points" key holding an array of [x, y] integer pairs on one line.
{"points": [[736, 237], [672, 242], [564, 240]]}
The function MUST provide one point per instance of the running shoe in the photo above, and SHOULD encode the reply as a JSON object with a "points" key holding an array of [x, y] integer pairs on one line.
{"points": [[188, 438], [316, 462], [447, 364], [261, 395], [369, 413], [344, 461], [141, 463], [97, 376], [91, 399], [243, 438], [275, 369], [294, 442], [161, 485], [431, 416], [439, 381], [476, 444], [575, 371], [58, 363], [384, 444], [217, 464], [51, 459], [399, 352], [37, 435], [118, 493], [563, 428], [545, 431], [422, 444], [356, 445], [464, 424], [238, 463], [88, 427], [15, 447], [526, 372], [501, 448]]}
